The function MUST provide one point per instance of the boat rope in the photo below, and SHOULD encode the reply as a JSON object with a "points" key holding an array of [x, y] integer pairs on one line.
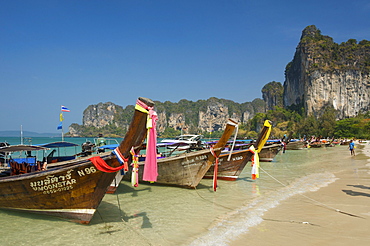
{"points": [[205, 199], [119, 204], [213, 202], [313, 200], [189, 169]]}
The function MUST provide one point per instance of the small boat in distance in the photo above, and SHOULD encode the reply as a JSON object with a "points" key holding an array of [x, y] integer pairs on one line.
{"points": [[269, 151], [72, 189], [295, 144], [57, 149], [183, 142]]}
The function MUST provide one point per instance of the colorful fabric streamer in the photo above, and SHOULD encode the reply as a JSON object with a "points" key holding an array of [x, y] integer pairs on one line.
{"points": [[121, 158], [135, 169], [101, 165], [255, 163], [215, 170], [150, 168]]}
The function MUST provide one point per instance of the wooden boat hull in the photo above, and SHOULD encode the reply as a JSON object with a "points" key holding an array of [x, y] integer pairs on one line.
{"points": [[268, 152], [188, 169], [72, 189], [230, 169], [315, 145], [296, 145], [115, 183], [185, 170], [73, 192]]}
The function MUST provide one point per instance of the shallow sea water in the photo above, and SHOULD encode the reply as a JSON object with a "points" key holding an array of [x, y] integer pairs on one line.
{"points": [[152, 214]]}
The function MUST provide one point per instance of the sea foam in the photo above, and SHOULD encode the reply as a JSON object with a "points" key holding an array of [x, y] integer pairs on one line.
{"points": [[240, 220]]}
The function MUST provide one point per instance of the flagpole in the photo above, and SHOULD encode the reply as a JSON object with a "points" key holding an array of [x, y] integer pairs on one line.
{"points": [[21, 135], [61, 118], [62, 128]]}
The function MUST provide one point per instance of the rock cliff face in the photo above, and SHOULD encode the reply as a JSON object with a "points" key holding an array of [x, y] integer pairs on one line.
{"points": [[324, 73], [272, 94], [206, 116], [100, 115], [348, 92], [190, 117]]}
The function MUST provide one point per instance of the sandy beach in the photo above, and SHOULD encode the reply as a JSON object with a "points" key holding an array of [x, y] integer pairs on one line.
{"points": [[338, 214]]}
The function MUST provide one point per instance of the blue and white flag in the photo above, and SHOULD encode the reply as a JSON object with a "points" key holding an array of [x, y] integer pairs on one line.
{"points": [[65, 109]]}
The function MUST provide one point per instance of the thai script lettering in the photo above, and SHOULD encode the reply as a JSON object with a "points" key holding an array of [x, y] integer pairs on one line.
{"points": [[54, 183]]}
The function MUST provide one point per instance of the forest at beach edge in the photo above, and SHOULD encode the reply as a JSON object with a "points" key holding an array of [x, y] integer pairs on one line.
{"points": [[290, 122]]}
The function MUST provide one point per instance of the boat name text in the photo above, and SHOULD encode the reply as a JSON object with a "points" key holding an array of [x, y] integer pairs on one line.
{"points": [[86, 171], [196, 159], [52, 183]]}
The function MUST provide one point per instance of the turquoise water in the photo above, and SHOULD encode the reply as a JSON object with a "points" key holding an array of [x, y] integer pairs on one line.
{"points": [[37, 140], [61, 151], [161, 215]]}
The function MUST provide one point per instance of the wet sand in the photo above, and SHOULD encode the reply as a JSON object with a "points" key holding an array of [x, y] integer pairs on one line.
{"points": [[338, 214]]}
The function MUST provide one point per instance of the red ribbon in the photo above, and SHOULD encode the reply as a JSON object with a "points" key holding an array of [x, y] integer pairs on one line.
{"points": [[101, 165], [215, 170]]}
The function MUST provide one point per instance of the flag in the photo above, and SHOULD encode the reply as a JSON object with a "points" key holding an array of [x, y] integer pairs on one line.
{"points": [[65, 109], [60, 126], [61, 117]]}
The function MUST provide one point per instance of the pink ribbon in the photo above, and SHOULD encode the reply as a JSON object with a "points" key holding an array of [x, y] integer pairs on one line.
{"points": [[150, 168]]}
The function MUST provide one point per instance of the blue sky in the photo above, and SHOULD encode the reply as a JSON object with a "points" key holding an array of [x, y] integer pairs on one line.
{"points": [[82, 52]]}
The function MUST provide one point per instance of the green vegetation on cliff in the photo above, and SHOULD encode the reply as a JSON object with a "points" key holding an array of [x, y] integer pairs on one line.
{"points": [[189, 109], [286, 121], [330, 56]]}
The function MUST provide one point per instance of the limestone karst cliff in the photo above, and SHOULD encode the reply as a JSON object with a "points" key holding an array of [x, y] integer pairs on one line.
{"points": [[272, 94], [324, 73], [100, 115], [190, 117]]}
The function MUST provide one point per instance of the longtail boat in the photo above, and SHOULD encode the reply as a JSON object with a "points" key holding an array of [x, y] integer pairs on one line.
{"points": [[268, 152], [187, 169], [231, 164], [73, 189], [295, 144]]}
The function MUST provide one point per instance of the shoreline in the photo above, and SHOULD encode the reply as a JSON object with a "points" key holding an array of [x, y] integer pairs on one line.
{"points": [[338, 214]]}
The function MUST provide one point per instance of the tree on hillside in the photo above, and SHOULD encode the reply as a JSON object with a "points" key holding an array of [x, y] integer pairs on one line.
{"points": [[327, 122]]}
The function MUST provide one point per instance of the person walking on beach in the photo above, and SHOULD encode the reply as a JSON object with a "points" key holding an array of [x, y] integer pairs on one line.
{"points": [[352, 147]]}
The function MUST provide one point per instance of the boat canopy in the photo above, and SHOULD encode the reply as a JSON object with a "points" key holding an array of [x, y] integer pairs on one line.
{"points": [[274, 141], [21, 147], [109, 146], [113, 146], [57, 144], [172, 144]]}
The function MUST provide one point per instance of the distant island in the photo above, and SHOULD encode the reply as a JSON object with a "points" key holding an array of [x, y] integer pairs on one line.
{"points": [[27, 134]]}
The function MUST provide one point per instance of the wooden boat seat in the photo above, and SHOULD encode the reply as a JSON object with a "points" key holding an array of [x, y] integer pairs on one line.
{"points": [[24, 167]]}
